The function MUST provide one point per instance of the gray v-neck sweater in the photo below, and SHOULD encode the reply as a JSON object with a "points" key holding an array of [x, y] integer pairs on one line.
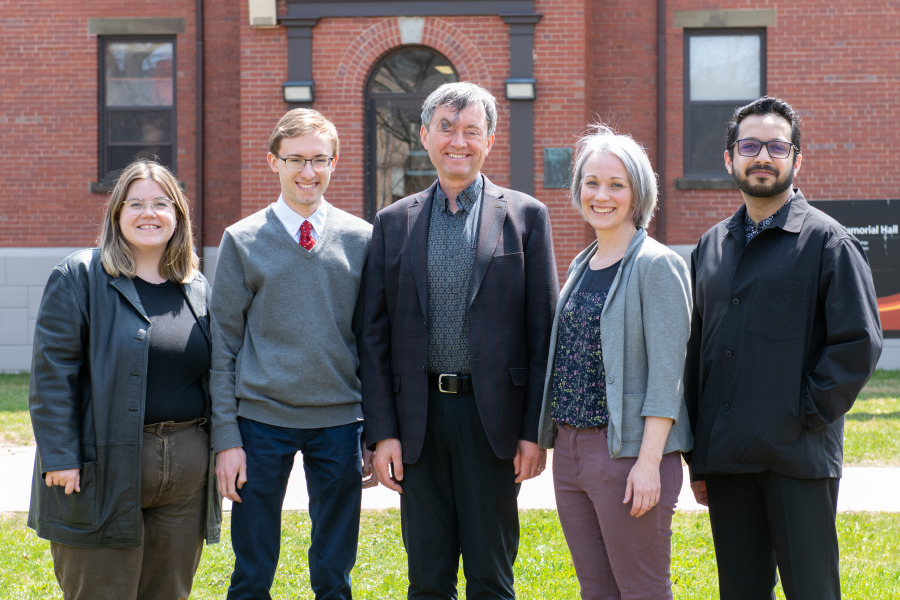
{"points": [[284, 325]]}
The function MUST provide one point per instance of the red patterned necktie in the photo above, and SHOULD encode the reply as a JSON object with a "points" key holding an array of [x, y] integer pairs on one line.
{"points": [[305, 239]]}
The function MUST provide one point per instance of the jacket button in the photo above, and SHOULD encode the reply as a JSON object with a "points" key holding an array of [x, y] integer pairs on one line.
{"points": [[423, 368], [727, 406], [729, 354], [735, 301], [610, 380]]}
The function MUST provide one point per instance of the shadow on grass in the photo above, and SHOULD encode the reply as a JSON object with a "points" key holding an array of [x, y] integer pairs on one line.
{"points": [[858, 416]]}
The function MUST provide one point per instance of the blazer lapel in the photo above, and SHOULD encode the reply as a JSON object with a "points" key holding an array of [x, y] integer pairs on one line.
{"points": [[125, 286], [493, 213], [195, 294], [418, 218]]}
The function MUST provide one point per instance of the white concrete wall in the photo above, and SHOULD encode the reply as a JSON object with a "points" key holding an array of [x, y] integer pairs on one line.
{"points": [[24, 272]]}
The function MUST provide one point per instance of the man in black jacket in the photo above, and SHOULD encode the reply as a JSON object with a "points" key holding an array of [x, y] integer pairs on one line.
{"points": [[785, 333]]}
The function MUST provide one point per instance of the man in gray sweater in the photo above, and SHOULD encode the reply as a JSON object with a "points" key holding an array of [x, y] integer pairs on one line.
{"points": [[286, 314]]}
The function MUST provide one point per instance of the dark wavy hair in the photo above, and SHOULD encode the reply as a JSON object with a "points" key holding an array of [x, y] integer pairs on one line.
{"points": [[766, 105]]}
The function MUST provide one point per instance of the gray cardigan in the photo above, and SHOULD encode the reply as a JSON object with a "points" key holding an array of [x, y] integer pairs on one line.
{"points": [[645, 321]]}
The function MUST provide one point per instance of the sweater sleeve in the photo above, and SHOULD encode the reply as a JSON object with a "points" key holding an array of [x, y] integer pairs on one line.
{"points": [[231, 298]]}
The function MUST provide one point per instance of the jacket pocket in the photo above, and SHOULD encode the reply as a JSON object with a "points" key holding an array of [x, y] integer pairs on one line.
{"points": [[518, 376], [632, 421], [777, 310], [78, 510]]}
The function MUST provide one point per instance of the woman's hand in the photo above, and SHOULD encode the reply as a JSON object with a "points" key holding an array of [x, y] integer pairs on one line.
{"points": [[69, 478], [642, 486]]}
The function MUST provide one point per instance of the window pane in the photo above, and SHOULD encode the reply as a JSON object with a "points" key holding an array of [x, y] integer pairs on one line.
{"points": [[725, 67], [412, 71], [402, 164], [139, 74], [147, 127], [707, 137], [119, 157]]}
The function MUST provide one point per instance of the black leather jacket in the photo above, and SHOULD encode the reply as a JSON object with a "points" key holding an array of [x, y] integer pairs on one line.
{"points": [[87, 393]]}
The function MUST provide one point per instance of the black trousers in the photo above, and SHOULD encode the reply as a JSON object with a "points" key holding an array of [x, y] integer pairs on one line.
{"points": [[760, 520], [459, 498]]}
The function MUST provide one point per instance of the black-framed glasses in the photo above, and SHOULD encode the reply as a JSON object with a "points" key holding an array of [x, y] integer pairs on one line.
{"points": [[295, 163], [775, 148]]}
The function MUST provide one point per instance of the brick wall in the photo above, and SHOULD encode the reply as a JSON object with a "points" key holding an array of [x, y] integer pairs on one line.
{"points": [[839, 65]]}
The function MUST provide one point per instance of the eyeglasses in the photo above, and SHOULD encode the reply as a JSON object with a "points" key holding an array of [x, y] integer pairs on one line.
{"points": [[295, 163], [775, 148], [157, 205]]}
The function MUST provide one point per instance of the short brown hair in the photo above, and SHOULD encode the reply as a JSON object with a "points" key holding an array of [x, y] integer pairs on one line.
{"points": [[303, 121], [179, 263]]}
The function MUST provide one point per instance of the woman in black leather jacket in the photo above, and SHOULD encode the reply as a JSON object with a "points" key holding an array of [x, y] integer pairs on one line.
{"points": [[123, 483]]}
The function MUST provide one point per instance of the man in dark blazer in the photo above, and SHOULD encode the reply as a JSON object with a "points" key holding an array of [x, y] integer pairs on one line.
{"points": [[460, 296]]}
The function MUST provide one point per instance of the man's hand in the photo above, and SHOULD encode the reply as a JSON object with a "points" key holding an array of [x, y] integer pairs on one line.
{"points": [[231, 472], [69, 478], [529, 461], [370, 479], [388, 463], [699, 489]]}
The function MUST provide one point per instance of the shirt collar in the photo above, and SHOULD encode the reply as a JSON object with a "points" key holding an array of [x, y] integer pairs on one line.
{"points": [[466, 199], [292, 221]]}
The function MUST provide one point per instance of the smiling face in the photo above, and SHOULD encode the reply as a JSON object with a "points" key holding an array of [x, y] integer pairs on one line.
{"points": [[607, 198], [146, 231], [457, 144], [762, 176], [303, 190]]}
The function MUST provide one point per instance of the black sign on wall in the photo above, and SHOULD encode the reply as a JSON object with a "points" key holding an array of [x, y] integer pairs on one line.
{"points": [[876, 223]]}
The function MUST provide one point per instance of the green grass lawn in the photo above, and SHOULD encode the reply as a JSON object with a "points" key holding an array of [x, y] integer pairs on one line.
{"points": [[15, 423], [870, 545], [872, 427]]}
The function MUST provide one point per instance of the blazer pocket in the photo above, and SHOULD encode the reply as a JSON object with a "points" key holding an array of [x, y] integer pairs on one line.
{"points": [[519, 376], [78, 510]]}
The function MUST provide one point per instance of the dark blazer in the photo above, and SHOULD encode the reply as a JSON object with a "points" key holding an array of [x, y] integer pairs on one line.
{"points": [[512, 295]]}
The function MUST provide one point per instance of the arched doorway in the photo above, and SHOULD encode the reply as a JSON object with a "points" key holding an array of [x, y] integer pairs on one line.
{"points": [[396, 163]]}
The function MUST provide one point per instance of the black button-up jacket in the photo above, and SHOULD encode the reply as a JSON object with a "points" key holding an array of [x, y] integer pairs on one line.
{"points": [[785, 332]]}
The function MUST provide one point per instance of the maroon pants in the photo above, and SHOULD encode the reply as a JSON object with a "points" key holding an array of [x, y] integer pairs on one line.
{"points": [[616, 556]]}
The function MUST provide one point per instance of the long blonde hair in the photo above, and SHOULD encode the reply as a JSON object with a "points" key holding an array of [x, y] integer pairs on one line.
{"points": [[179, 263]]}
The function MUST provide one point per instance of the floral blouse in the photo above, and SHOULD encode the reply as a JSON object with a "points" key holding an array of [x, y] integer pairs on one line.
{"points": [[579, 379]]}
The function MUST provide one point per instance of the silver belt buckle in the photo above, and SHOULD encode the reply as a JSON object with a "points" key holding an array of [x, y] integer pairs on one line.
{"points": [[441, 383]]}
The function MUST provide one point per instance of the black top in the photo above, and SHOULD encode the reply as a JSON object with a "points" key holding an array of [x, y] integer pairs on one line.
{"points": [[179, 355]]}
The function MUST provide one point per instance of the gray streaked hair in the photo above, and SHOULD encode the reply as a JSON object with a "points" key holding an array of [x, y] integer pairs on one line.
{"points": [[458, 96], [601, 139]]}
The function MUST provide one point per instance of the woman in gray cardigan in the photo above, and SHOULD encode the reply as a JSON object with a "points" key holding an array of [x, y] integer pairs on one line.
{"points": [[613, 399]]}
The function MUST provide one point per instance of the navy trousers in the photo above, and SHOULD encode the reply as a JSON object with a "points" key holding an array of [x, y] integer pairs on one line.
{"points": [[332, 463]]}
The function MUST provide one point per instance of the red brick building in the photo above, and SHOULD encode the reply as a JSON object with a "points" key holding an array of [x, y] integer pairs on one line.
{"points": [[200, 84]]}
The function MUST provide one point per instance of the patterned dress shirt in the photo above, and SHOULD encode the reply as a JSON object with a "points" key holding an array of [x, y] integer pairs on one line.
{"points": [[751, 229], [451, 253]]}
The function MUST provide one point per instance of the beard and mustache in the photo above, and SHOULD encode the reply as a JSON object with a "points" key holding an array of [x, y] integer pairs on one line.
{"points": [[763, 190]]}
